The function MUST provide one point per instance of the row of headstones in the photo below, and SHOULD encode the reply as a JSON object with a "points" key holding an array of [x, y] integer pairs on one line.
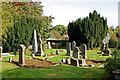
{"points": [[76, 50]]}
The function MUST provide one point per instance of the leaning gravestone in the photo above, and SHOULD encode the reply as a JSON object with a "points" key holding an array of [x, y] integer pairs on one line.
{"points": [[74, 61], [76, 53], [40, 50], [35, 47], [0, 52], [68, 49], [21, 55], [49, 45], [83, 51], [73, 45]]}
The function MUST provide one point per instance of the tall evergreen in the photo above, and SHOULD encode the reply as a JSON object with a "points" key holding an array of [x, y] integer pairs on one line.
{"points": [[90, 30]]}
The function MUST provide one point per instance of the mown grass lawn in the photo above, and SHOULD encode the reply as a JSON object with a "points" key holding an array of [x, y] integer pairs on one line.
{"points": [[10, 70]]}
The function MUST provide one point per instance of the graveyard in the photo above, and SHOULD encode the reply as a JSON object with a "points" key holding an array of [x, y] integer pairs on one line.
{"points": [[32, 48], [68, 62]]}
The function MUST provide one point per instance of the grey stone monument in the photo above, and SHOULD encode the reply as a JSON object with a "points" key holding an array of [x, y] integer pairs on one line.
{"points": [[0, 52], [106, 51], [35, 47], [73, 45], [76, 53], [74, 61], [68, 49], [82, 62], [83, 51], [40, 50], [57, 52], [21, 54], [49, 45]]}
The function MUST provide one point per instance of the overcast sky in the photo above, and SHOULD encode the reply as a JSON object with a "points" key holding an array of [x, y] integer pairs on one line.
{"points": [[65, 11]]}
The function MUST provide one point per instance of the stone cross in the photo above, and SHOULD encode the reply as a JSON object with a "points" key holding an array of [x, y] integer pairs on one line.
{"points": [[35, 47], [76, 52], [40, 50], [83, 51], [49, 45], [68, 49], [73, 45], [21, 54], [0, 52]]}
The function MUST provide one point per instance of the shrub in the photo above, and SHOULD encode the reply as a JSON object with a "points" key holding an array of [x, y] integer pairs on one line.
{"points": [[113, 62]]}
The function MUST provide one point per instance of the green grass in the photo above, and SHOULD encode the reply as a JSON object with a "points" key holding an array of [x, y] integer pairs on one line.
{"points": [[62, 71]]}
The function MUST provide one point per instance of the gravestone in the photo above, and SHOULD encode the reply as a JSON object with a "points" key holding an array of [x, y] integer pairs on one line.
{"points": [[82, 62], [73, 45], [40, 50], [10, 59], [0, 52], [57, 52], [106, 41], [74, 62], [68, 49], [21, 54], [68, 61], [63, 61], [106, 53], [91, 65], [49, 45], [76, 53], [35, 47], [83, 51]]}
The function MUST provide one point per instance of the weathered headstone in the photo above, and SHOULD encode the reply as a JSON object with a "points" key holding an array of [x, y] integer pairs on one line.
{"points": [[82, 62], [76, 53], [83, 51], [35, 47], [68, 49], [91, 65], [74, 62], [68, 61], [73, 45], [106, 53], [40, 50], [0, 52], [21, 54], [57, 52], [10, 59], [63, 61], [49, 45], [106, 41]]}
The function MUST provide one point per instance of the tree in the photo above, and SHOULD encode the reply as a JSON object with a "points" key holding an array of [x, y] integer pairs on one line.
{"points": [[25, 17], [90, 30], [61, 29]]}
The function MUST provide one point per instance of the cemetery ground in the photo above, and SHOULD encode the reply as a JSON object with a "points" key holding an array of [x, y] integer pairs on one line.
{"points": [[11, 70]]}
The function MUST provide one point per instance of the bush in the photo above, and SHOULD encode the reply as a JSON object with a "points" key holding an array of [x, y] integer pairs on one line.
{"points": [[113, 62], [112, 42]]}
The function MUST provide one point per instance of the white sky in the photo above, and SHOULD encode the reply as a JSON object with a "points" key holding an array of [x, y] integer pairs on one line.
{"points": [[65, 11]]}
